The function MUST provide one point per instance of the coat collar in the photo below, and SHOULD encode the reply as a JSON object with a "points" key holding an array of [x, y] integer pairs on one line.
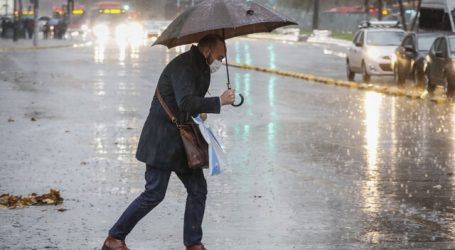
{"points": [[199, 58]]}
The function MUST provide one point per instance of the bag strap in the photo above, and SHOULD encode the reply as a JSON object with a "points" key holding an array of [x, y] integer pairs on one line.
{"points": [[165, 107]]}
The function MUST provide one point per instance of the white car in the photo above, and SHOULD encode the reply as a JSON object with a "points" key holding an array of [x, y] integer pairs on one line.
{"points": [[371, 51]]}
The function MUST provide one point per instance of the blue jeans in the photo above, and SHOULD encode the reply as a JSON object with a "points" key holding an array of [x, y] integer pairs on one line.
{"points": [[155, 189]]}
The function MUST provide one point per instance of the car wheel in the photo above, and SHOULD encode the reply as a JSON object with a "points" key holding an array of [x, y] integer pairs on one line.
{"points": [[429, 85], [365, 76], [418, 77], [350, 74], [399, 79]]}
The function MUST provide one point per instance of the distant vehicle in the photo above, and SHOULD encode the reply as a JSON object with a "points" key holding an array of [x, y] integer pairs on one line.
{"points": [[372, 49], [439, 67], [78, 26], [111, 20], [437, 15], [409, 58], [103, 21]]}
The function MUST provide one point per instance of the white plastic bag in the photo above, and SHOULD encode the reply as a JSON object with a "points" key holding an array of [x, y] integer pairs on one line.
{"points": [[217, 158]]}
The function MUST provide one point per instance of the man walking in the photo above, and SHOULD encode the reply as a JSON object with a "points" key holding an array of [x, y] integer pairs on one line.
{"points": [[183, 85]]}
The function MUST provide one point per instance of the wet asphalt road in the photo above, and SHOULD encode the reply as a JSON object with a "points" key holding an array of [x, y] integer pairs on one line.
{"points": [[311, 166]]}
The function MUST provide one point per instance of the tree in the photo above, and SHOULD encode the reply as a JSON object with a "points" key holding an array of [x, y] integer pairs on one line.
{"points": [[403, 18], [315, 14], [416, 16]]}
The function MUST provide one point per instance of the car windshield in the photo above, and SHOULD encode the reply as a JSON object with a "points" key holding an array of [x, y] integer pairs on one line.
{"points": [[452, 45], [425, 43], [384, 38]]}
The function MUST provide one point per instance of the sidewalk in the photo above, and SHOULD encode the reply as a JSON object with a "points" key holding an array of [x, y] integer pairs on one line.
{"points": [[318, 37], [328, 40], [27, 44]]}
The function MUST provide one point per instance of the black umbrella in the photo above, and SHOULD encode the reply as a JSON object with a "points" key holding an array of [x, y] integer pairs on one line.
{"points": [[44, 18], [228, 18]]}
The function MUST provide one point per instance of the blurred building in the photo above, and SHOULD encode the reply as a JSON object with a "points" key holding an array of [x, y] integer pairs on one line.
{"points": [[6, 7]]}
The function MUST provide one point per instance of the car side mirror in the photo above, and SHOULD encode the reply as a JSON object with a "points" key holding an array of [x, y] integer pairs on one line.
{"points": [[358, 44], [409, 48], [439, 54]]}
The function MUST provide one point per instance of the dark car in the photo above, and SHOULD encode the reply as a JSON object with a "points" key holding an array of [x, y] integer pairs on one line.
{"points": [[439, 68], [409, 59]]}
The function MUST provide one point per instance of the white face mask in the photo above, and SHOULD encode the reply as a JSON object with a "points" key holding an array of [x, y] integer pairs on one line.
{"points": [[215, 66]]}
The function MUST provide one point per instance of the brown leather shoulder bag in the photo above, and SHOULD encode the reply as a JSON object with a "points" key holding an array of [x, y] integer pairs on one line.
{"points": [[196, 147]]}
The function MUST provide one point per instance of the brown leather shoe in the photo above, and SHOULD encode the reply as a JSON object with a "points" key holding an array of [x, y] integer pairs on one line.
{"points": [[196, 247], [112, 243]]}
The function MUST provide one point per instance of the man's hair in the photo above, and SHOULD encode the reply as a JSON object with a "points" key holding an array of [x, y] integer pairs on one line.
{"points": [[210, 41]]}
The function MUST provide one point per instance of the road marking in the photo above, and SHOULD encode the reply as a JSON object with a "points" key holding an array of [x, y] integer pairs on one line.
{"points": [[393, 90]]}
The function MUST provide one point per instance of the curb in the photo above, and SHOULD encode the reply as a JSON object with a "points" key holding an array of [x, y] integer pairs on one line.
{"points": [[75, 45], [392, 90], [329, 41]]}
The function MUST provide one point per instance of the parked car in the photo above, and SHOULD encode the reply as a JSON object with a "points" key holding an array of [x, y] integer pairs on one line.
{"points": [[439, 67], [409, 59], [372, 49]]}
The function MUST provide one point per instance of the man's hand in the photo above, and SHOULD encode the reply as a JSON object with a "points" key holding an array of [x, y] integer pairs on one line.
{"points": [[228, 97], [203, 116]]}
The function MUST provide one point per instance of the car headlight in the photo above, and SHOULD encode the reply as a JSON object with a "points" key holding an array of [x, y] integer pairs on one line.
{"points": [[373, 53], [101, 31]]}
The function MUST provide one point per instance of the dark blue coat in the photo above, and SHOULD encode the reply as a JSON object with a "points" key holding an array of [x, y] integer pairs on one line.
{"points": [[183, 85]]}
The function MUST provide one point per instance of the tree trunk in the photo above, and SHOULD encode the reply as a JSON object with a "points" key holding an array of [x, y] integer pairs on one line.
{"points": [[367, 9], [380, 7], [316, 14], [403, 18], [414, 22]]}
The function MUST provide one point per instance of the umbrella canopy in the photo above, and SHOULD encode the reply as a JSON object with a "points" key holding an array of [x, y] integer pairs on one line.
{"points": [[44, 18], [228, 18], [52, 21]]}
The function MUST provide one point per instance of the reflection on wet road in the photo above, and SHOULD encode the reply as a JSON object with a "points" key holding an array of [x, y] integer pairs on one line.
{"points": [[311, 166]]}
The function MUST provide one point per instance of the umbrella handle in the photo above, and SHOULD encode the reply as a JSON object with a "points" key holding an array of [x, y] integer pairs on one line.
{"points": [[229, 82], [240, 103]]}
